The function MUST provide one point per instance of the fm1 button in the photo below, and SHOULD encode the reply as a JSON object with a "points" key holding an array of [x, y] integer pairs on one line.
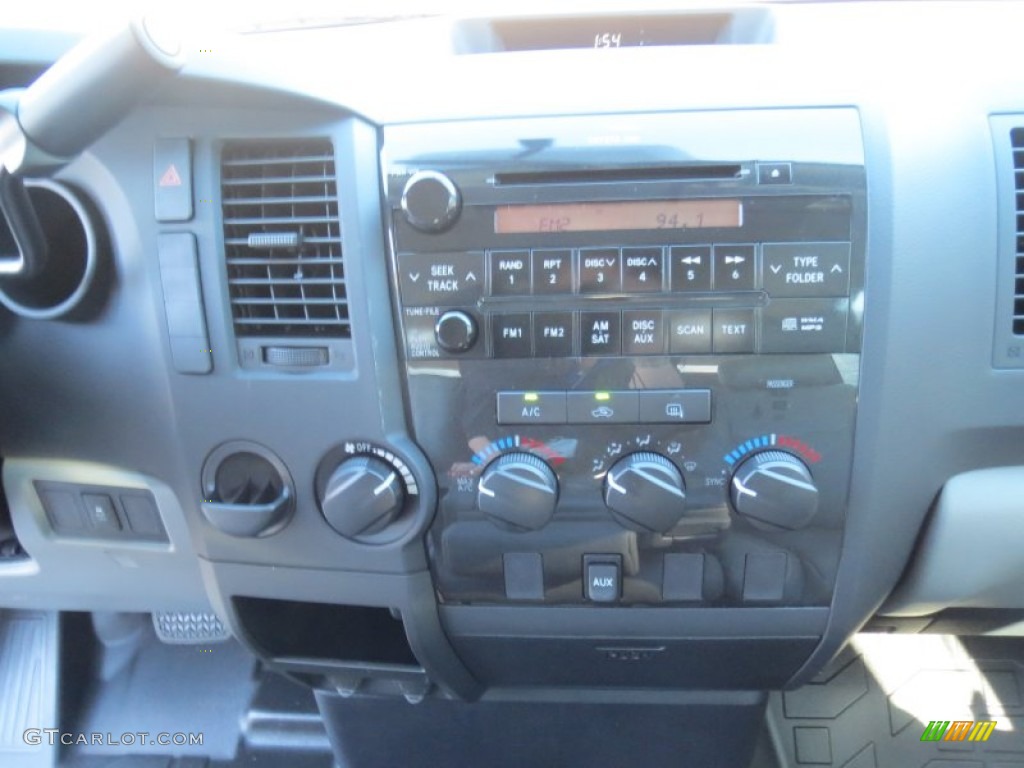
{"points": [[511, 335], [602, 576]]}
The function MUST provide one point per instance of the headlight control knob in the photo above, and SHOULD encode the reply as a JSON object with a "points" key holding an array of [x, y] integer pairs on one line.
{"points": [[645, 492], [774, 489], [362, 496], [518, 491]]}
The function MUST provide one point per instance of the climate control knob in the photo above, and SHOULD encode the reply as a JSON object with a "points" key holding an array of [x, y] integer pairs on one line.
{"points": [[775, 490], [430, 201], [518, 491], [645, 492], [362, 496]]}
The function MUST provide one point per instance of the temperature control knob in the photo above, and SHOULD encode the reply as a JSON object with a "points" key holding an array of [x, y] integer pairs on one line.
{"points": [[362, 496], [645, 492], [774, 489], [430, 201], [518, 491]]}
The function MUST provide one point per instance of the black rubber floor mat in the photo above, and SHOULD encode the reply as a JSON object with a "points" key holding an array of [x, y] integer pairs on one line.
{"points": [[172, 693], [903, 701], [28, 687]]}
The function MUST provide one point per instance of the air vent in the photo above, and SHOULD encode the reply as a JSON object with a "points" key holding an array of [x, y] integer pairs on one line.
{"points": [[282, 239], [1017, 140]]}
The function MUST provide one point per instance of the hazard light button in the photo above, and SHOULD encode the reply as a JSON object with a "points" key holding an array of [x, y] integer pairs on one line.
{"points": [[172, 179]]}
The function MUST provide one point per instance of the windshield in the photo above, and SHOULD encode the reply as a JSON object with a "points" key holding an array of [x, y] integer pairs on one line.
{"points": [[269, 15]]}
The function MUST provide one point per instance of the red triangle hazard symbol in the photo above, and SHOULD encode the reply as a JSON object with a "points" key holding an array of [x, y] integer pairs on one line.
{"points": [[170, 177]]}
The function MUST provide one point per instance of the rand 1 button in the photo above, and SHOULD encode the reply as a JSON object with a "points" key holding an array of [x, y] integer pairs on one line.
{"points": [[552, 334], [734, 268], [689, 332], [612, 407], [806, 269], [675, 406], [552, 270], [510, 335], [642, 269], [600, 333], [531, 408], [690, 267], [510, 273], [441, 279], [600, 270], [732, 331], [803, 326], [643, 332]]}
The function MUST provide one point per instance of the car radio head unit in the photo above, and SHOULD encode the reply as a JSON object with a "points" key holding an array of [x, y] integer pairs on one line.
{"points": [[631, 350]]}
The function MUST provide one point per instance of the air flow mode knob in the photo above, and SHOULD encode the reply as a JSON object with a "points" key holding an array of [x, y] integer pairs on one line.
{"points": [[518, 491], [362, 496], [430, 201], [775, 490], [645, 492]]}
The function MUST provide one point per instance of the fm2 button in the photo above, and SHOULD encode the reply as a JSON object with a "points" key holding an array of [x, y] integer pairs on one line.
{"points": [[602, 575]]}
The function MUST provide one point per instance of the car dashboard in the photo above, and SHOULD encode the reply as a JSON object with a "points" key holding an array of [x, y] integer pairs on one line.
{"points": [[630, 357]]}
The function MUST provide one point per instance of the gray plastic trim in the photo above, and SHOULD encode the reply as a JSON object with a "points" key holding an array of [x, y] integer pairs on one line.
{"points": [[88, 574], [969, 556]]}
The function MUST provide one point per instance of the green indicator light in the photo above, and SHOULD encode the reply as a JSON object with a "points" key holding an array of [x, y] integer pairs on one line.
{"points": [[531, 397], [602, 396]]}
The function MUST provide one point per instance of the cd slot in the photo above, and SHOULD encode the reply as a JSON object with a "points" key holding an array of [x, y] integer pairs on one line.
{"points": [[691, 172]]}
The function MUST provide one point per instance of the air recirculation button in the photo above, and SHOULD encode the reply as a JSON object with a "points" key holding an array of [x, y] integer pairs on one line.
{"points": [[247, 490]]}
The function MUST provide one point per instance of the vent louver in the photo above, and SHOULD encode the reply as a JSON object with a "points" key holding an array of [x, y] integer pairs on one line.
{"points": [[282, 239], [1017, 141]]}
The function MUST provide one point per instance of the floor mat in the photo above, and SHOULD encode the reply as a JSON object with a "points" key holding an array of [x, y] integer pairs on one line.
{"points": [[173, 690], [902, 701], [28, 686]]}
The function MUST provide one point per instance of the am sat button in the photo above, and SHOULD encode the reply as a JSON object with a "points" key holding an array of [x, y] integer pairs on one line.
{"points": [[531, 407], [600, 333]]}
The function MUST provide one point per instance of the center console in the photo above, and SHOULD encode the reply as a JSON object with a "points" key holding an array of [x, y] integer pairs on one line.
{"points": [[631, 354]]}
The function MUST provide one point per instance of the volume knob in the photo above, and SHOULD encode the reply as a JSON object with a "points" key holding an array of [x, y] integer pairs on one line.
{"points": [[518, 491], [430, 201], [645, 492], [775, 490]]}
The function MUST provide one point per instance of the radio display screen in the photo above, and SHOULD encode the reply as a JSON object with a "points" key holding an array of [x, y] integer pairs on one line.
{"points": [[606, 217]]}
